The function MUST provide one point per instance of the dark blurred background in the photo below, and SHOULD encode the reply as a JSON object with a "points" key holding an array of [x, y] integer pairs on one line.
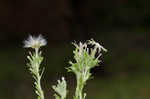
{"points": [[121, 26]]}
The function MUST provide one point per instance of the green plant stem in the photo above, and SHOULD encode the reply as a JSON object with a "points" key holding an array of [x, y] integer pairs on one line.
{"points": [[40, 89], [79, 88], [38, 81]]}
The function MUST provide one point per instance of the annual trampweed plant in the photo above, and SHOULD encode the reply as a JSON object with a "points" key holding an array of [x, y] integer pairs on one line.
{"points": [[86, 57]]}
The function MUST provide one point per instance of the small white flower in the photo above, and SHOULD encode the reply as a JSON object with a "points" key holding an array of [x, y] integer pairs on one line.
{"points": [[97, 45], [35, 42]]}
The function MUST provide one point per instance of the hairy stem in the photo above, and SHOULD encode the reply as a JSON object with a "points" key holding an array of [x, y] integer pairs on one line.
{"points": [[79, 88], [38, 81], [41, 93]]}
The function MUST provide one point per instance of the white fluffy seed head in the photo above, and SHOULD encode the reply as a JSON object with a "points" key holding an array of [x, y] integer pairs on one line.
{"points": [[35, 42]]}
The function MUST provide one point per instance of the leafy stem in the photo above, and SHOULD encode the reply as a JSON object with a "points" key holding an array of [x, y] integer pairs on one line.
{"points": [[34, 67], [86, 58]]}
